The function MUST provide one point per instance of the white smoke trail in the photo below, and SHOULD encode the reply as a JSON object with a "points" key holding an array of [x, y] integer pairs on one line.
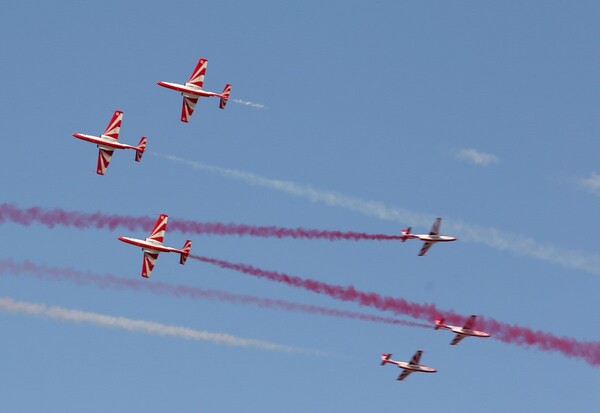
{"points": [[476, 157], [505, 241], [58, 313], [248, 103]]}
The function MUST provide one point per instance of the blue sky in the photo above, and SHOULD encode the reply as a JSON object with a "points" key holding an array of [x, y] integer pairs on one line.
{"points": [[484, 113]]}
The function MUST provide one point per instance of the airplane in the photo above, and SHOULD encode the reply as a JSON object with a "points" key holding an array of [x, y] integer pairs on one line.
{"points": [[153, 245], [410, 367], [461, 332], [192, 90], [430, 238], [108, 142]]}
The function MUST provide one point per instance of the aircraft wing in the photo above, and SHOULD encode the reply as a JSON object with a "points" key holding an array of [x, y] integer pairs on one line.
{"points": [[416, 358], [435, 228], [469, 323], [197, 77], [403, 375], [160, 227], [189, 103], [457, 339], [114, 126], [104, 156], [425, 248], [148, 264]]}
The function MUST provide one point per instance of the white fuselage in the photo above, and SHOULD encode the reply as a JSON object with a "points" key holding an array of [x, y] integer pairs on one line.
{"points": [[149, 245], [416, 367], [103, 141], [465, 332], [412, 367], [431, 238], [188, 90]]}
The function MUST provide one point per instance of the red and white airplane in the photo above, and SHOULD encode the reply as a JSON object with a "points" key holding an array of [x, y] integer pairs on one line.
{"points": [[429, 239], [153, 245], [108, 142], [461, 332], [411, 367], [192, 90]]}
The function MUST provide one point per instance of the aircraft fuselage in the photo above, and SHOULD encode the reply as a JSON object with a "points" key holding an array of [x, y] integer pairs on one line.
{"points": [[149, 245], [412, 367], [466, 332], [188, 90], [415, 367], [103, 141], [433, 238]]}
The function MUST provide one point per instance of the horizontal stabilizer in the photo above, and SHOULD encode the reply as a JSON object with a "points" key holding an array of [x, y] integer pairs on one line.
{"points": [[140, 149], [385, 358], [185, 252], [225, 96]]}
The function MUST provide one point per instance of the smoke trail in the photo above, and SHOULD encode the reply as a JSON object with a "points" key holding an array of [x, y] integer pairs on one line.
{"points": [[248, 103], [504, 241], [109, 281], [58, 313], [590, 351], [82, 220]]}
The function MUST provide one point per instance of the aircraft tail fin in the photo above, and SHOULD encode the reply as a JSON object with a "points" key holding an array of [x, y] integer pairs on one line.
{"points": [[185, 251], [405, 233], [139, 151], [439, 323], [385, 358], [225, 96]]}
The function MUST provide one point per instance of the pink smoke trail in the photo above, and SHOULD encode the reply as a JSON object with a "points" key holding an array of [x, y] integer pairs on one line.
{"points": [[99, 220], [10, 267], [513, 334]]}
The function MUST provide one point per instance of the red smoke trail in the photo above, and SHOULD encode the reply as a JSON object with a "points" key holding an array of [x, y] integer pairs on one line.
{"points": [[82, 220], [590, 351], [110, 281]]}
